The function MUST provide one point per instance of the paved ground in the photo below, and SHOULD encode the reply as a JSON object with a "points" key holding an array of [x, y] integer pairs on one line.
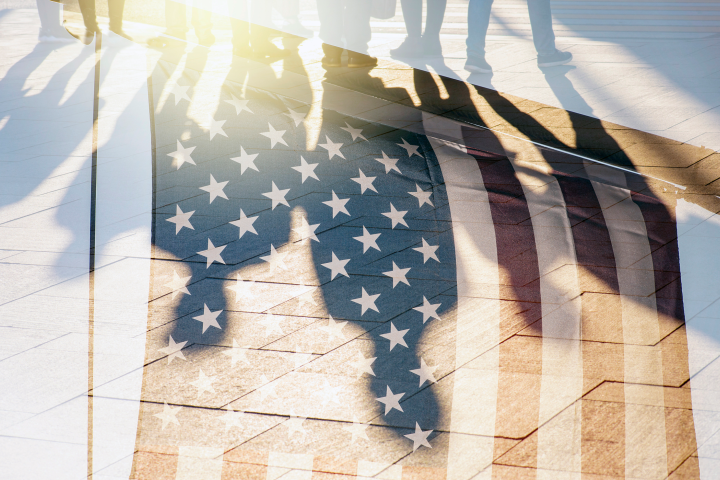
{"points": [[305, 275]]}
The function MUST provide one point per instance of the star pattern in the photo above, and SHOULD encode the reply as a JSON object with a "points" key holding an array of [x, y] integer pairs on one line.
{"points": [[289, 230], [173, 350], [307, 170], [181, 219], [390, 163], [208, 318], [332, 148], [215, 189], [336, 266], [246, 161], [337, 204], [367, 302], [366, 183], [277, 196], [245, 224], [178, 285], [428, 251], [182, 156], [212, 254], [423, 197], [275, 136], [240, 105]]}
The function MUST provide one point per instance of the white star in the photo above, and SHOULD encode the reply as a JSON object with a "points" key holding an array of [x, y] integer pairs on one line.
{"points": [[277, 196], [272, 324], [216, 128], [212, 254], [396, 216], [419, 437], [180, 92], [329, 393], [334, 329], [355, 132], [337, 204], [367, 301], [181, 219], [168, 415], [427, 250], [307, 170], [363, 365], [391, 400], [246, 160], [204, 383], [295, 425], [336, 266], [178, 285], [423, 197], [173, 350], [232, 418], [368, 240], [411, 149], [429, 310], [425, 372], [357, 430], [215, 189], [239, 105], [398, 275], [208, 318], [182, 155], [245, 224], [275, 136], [297, 117], [242, 289], [237, 353], [306, 231], [275, 259], [267, 389], [390, 163], [395, 336], [332, 148], [365, 182]]}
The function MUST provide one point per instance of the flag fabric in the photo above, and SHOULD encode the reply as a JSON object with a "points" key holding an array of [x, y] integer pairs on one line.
{"points": [[334, 294]]}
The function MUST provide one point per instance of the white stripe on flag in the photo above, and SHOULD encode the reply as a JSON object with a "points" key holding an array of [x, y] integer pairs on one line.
{"points": [[199, 463], [559, 440], [474, 401], [644, 401]]}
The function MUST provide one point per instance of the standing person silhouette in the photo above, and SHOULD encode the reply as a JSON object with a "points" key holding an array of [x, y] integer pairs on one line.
{"points": [[115, 12], [417, 43], [351, 19], [542, 32]]}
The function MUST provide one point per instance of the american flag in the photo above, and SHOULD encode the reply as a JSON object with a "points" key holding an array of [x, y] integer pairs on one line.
{"points": [[335, 296]]}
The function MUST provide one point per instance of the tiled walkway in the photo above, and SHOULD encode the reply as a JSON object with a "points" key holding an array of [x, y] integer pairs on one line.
{"points": [[300, 277]]}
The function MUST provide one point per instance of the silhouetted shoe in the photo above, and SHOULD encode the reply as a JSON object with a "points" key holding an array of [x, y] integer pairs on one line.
{"points": [[121, 33], [554, 59], [52, 35], [358, 60], [432, 47], [206, 39], [477, 65], [331, 60], [412, 47]]}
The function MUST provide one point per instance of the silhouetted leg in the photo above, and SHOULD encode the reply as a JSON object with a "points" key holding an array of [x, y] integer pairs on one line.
{"points": [[203, 25], [478, 23], [541, 24], [412, 15], [87, 8], [435, 16], [357, 25], [115, 10]]}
